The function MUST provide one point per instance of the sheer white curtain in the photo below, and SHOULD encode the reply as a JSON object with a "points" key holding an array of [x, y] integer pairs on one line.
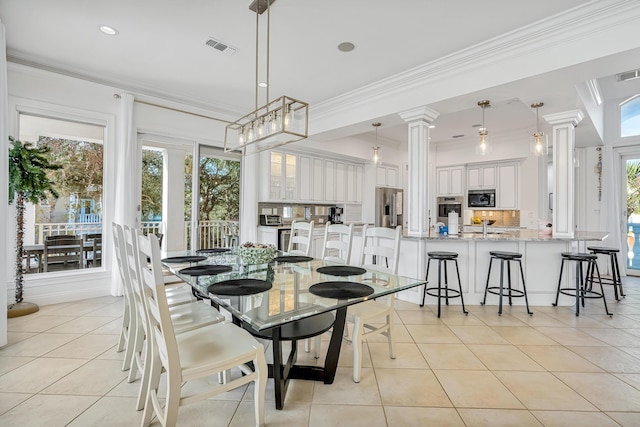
{"points": [[127, 175], [612, 193], [4, 168]]}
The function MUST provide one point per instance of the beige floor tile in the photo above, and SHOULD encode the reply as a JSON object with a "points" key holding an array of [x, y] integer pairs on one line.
{"points": [[110, 411], [460, 319], [450, 356], [298, 391], [38, 345], [506, 319], [112, 328], [39, 324], [10, 400], [539, 318], [504, 358], [14, 337], [585, 320], [498, 418], [10, 363], [615, 337], [605, 391], [478, 335], [410, 387], [44, 410], [112, 354], [432, 334], [406, 305], [76, 309], [346, 355], [542, 390], [95, 378], [572, 418], [626, 419], [38, 374], [570, 336], [108, 310], [86, 347], [293, 414], [83, 324], [609, 359], [345, 391], [556, 358], [401, 334], [407, 356], [631, 379], [413, 416], [418, 317], [523, 335], [335, 416], [476, 389]]}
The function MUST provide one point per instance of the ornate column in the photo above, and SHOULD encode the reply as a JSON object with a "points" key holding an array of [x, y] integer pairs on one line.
{"points": [[564, 141], [418, 195]]}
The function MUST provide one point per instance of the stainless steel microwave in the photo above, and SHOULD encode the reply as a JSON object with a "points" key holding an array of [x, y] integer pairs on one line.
{"points": [[481, 199]]}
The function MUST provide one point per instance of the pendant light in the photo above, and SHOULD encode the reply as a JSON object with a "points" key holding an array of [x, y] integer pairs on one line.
{"points": [[375, 151], [538, 139], [483, 146]]}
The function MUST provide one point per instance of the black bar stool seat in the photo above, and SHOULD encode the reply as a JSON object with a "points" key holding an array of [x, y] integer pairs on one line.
{"points": [[438, 291], [506, 257], [616, 279], [581, 291]]}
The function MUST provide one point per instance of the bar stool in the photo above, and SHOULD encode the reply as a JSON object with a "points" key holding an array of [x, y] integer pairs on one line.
{"points": [[581, 291], [442, 258], [615, 280], [506, 257]]}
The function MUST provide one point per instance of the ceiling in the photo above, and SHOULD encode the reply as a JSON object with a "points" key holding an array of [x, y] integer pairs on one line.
{"points": [[160, 52]]}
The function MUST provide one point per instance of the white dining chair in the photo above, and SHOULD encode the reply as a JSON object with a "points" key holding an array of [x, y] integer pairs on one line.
{"points": [[380, 253], [129, 315], [194, 354], [300, 240], [186, 315], [337, 243]]}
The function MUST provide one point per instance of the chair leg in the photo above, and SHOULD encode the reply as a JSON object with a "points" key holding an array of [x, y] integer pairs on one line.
{"points": [[260, 364], [486, 288], [124, 330], [130, 340], [604, 299], [391, 334], [616, 268], [524, 289], [317, 342], [356, 344], [501, 287], [154, 384], [136, 353], [172, 401], [464, 310], [439, 286], [146, 357], [446, 282], [426, 279], [559, 283], [509, 281]]}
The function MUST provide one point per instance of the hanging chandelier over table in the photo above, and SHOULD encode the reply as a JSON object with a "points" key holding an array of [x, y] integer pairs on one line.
{"points": [[281, 121]]}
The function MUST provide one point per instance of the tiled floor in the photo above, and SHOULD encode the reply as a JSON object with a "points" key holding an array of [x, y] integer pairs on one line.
{"points": [[551, 369]]}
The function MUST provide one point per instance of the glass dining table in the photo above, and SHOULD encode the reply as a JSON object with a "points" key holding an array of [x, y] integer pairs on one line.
{"points": [[288, 299]]}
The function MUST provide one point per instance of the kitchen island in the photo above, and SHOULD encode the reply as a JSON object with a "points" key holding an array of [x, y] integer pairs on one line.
{"points": [[541, 261]]}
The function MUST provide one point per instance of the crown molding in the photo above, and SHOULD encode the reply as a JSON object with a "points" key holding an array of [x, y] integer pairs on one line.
{"points": [[579, 22], [572, 117]]}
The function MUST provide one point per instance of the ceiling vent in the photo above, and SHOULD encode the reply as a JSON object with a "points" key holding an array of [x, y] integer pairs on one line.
{"points": [[219, 46], [628, 75]]}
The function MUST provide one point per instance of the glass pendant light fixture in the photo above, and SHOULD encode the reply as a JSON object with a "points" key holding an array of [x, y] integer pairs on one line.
{"points": [[375, 151], [483, 146], [278, 122], [539, 146]]}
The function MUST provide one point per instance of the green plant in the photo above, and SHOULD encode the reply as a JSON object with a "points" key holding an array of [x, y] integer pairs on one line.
{"points": [[28, 182], [633, 187]]}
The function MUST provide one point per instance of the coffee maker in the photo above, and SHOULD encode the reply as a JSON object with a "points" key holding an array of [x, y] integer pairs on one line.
{"points": [[335, 215]]}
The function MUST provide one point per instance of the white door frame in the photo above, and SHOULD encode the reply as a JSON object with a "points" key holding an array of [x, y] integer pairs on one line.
{"points": [[627, 153]]}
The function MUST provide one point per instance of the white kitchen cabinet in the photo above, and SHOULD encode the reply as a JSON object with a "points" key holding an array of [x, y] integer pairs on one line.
{"points": [[387, 176], [359, 184], [329, 180], [317, 181], [507, 191], [268, 235], [341, 182], [305, 180], [450, 181], [283, 179], [481, 177]]}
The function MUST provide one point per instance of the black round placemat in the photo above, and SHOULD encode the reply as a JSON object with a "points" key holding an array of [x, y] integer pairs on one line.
{"points": [[189, 258], [206, 270], [293, 258], [213, 250], [340, 290], [237, 287], [341, 270]]}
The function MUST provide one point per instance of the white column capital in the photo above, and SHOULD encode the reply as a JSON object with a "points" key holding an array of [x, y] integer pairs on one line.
{"points": [[566, 117], [421, 113]]}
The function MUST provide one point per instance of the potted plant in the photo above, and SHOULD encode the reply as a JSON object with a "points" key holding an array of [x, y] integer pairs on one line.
{"points": [[28, 182]]}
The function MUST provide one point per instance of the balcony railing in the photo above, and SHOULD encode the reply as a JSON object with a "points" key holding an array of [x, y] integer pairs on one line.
{"points": [[213, 233]]}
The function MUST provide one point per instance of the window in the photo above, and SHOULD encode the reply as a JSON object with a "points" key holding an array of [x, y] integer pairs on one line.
{"points": [[77, 212], [630, 117]]}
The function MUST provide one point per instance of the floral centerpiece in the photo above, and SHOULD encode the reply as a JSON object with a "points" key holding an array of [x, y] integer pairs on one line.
{"points": [[256, 253]]}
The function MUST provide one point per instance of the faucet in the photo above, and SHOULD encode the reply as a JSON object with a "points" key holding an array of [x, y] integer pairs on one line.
{"points": [[485, 223]]}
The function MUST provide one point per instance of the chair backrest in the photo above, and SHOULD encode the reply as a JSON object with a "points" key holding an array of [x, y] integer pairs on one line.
{"points": [[131, 266], [160, 326], [337, 242], [95, 253], [63, 251], [382, 246], [300, 240], [121, 260], [59, 236]]}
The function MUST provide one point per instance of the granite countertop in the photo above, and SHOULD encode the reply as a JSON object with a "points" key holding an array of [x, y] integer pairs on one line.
{"points": [[516, 234]]}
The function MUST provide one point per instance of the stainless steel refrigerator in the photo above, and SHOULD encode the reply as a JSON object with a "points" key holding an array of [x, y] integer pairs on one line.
{"points": [[388, 207]]}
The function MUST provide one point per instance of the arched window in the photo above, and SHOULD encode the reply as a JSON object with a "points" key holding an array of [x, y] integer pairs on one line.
{"points": [[630, 117]]}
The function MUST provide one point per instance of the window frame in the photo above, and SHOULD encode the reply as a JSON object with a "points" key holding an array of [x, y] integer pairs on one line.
{"points": [[634, 98]]}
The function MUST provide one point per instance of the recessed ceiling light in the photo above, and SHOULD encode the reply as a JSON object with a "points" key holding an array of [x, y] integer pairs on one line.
{"points": [[346, 47], [431, 126], [110, 31], [262, 84]]}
